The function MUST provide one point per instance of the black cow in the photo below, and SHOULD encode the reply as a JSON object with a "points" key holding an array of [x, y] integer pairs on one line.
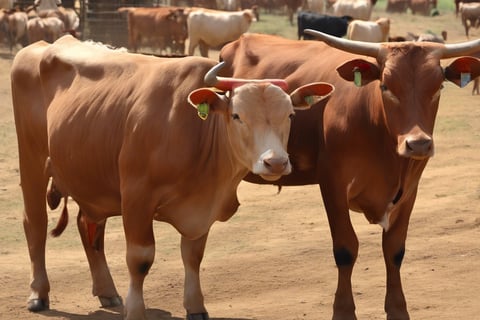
{"points": [[335, 26]]}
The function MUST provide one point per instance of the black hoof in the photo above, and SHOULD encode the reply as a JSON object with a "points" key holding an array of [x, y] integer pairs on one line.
{"points": [[198, 316], [36, 305], [110, 302]]}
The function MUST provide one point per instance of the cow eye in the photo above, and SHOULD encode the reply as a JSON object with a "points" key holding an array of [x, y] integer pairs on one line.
{"points": [[383, 87], [235, 116], [292, 116]]}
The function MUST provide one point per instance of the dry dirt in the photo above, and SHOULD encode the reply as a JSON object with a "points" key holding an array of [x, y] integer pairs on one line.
{"points": [[273, 259]]}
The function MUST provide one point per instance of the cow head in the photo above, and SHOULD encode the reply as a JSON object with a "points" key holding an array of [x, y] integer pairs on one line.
{"points": [[257, 117], [410, 79]]}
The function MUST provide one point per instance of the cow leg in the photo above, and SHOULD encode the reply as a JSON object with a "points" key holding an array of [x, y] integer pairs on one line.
{"points": [[35, 226], [393, 244], [140, 255], [192, 255], [203, 49], [345, 251], [34, 187], [92, 235]]}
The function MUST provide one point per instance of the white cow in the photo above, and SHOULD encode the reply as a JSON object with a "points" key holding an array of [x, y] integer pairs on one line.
{"points": [[212, 28], [369, 31], [357, 9]]}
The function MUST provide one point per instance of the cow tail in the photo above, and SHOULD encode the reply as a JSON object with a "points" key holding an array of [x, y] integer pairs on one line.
{"points": [[62, 222]]}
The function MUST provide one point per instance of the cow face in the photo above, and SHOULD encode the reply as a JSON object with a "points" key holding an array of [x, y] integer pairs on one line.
{"points": [[257, 117], [411, 79]]}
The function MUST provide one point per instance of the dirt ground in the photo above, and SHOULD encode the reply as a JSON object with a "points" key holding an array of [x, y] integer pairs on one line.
{"points": [[273, 259]]}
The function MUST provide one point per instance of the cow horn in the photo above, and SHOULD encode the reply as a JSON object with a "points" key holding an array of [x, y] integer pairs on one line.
{"points": [[460, 49], [357, 47], [227, 84]]}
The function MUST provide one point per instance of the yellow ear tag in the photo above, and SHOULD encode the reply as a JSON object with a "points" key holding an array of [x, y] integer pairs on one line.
{"points": [[309, 100], [464, 79], [203, 109], [357, 78]]}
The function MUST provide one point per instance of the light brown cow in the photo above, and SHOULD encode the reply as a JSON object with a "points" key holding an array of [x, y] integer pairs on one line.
{"points": [[470, 14], [48, 29], [368, 147], [159, 28], [116, 133]]}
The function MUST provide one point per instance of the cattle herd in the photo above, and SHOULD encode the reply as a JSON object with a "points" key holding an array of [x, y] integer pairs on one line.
{"points": [[137, 136]]}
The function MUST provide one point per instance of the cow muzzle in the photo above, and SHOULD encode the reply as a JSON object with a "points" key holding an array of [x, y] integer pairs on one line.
{"points": [[271, 166], [417, 147]]}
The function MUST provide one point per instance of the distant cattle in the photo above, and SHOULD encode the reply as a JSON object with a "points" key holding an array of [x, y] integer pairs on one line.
{"points": [[423, 7], [369, 31], [432, 37], [211, 28], [369, 144], [470, 14], [357, 9], [457, 4], [164, 29], [48, 29], [316, 6], [16, 28], [335, 26], [117, 133], [397, 6]]}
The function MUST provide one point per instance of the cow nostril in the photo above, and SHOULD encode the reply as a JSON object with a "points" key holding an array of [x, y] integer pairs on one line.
{"points": [[275, 164], [419, 145]]}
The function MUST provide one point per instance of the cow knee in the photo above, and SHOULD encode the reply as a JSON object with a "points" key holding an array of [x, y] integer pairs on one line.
{"points": [[140, 259], [343, 257]]}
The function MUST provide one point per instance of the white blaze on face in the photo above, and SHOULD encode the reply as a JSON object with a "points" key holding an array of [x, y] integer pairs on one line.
{"points": [[261, 125]]}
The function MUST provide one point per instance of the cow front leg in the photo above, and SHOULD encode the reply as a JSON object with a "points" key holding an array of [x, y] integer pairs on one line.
{"points": [[393, 245], [192, 255], [140, 256], [345, 251], [93, 235]]}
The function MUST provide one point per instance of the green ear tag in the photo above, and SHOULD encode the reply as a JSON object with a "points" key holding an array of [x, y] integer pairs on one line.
{"points": [[464, 79], [357, 78], [309, 100], [203, 109]]}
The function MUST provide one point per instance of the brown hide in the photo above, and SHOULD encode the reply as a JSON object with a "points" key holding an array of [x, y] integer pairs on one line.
{"points": [[119, 133], [358, 148]]}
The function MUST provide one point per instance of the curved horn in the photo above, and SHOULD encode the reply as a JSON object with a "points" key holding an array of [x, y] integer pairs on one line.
{"points": [[357, 47], [460, 49], [211, 79]]}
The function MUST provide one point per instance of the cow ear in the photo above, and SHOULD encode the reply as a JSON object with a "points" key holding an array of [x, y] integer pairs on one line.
{"points": [[359, 71], [306, 96], [206, 100], [462, 70]]}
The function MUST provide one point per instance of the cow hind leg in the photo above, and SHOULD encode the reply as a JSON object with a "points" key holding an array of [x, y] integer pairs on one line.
{"points": [[192, 255], [92, 235]]}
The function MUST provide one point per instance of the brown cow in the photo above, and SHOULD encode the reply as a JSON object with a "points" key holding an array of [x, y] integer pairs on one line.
{"points": [[368, 147], [159, 27], [457, 4], [122, 139], [470, 14]]}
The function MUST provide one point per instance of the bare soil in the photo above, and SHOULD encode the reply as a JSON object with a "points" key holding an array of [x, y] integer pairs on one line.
{"points": [[273, 259]]}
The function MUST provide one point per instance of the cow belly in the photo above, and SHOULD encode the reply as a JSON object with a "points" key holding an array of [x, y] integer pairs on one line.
{"points": [[83, 154]]}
